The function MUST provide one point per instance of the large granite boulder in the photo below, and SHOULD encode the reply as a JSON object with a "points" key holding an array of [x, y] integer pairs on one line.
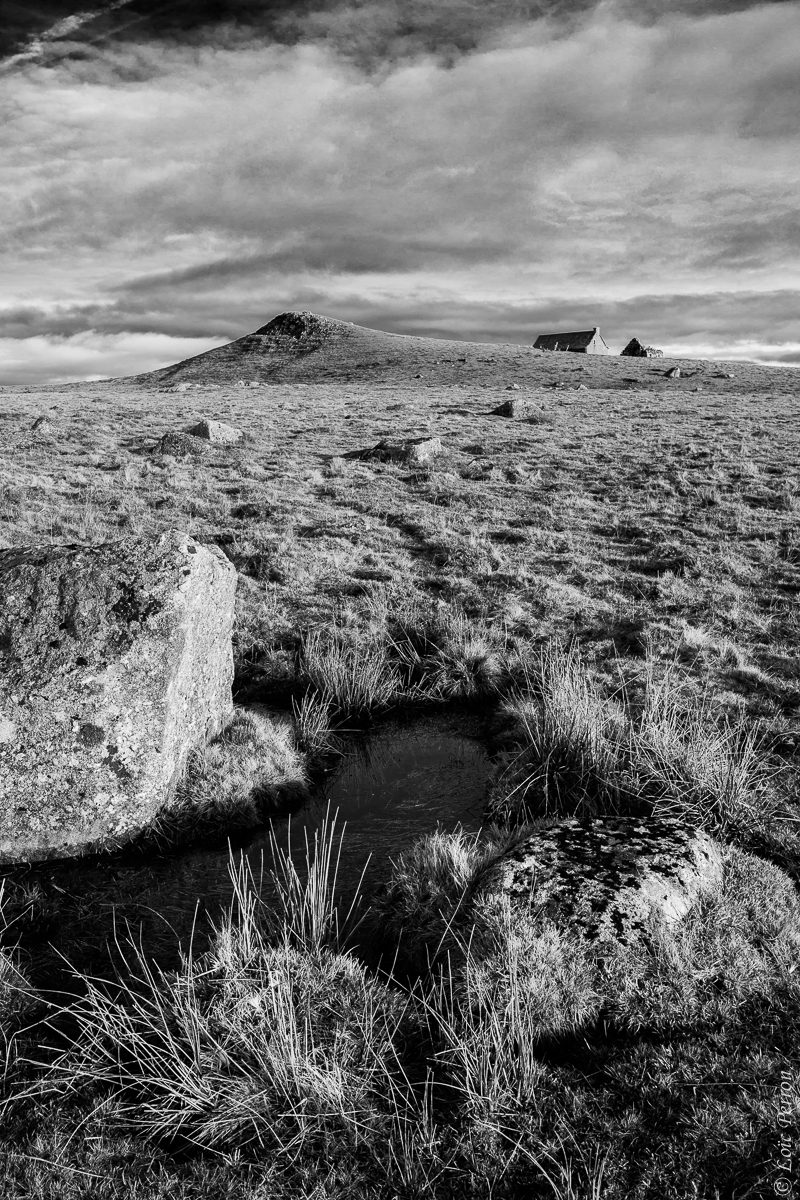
{"points": [[115, 661], [608, 877]]}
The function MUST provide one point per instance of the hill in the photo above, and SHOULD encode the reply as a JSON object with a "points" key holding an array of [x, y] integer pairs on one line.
{"points": [[304, 347]]}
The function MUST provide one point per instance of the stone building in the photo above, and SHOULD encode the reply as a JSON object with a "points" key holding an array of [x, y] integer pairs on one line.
{"points": [[587, 341]]}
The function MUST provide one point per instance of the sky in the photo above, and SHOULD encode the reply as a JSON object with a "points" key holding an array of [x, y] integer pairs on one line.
{"points": [[177, 173]]}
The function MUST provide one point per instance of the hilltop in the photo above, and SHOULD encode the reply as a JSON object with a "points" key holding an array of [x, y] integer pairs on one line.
{"points": [[304, 347]]}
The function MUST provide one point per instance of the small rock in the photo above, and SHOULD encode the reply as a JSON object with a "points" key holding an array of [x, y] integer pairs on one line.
{"points": [[673, 373], [513, 387], [182, 445], [217, 432], [422, 450], [518, 407], [42, 426]]}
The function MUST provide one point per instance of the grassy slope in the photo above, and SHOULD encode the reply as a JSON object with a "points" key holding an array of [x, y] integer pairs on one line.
{"points": [[654, 520]]}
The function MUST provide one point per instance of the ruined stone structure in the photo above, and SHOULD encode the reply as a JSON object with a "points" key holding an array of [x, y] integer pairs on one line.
{"points": [[635, 349]]}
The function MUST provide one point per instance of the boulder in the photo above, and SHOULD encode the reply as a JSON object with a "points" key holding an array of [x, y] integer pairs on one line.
{"points": [[421, 450], [673, 373], [515, 406], [115, 662], [607, 877], [182, 445], [216, 431], [414, 451]]}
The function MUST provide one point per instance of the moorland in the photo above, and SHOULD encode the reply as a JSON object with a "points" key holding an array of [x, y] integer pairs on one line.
{"points": [[610, 570]]}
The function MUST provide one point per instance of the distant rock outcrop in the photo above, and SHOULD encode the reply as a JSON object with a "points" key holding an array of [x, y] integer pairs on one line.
{"points": [[606, 877], [115, 662]]}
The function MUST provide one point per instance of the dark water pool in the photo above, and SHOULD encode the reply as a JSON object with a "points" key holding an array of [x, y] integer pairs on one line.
{"points": [[403, 780]]}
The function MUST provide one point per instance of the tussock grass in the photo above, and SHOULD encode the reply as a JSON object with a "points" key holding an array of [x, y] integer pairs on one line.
{"points": [[275, 1037], [313, 723], [234, 781], [277, 1043], [357, 677], [568, 762], [404, 658], [16, 997], [581, 754]]}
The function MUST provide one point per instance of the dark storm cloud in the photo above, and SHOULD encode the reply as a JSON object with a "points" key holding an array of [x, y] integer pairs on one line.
{"points": [[369, 31]]}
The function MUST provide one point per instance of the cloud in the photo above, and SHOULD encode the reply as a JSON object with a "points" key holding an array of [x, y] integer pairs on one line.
{"points": [[193, 191], [91, 356], [370, 32]]}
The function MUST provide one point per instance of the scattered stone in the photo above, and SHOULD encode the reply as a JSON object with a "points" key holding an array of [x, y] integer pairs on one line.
{"points": [[519, 406], [115, 662], [183, 387], [182, 445], [516, 473], [479, 470], [217, 432], [254, 383], [606, 877], [42, 426], [414, 451], [241, 383], [422, 450], [582, 387], [513, 387], [723, 375], [673, 373]]}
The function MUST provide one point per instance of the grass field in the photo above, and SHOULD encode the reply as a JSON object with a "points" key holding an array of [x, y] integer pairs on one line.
{"points": [[615, 574]]}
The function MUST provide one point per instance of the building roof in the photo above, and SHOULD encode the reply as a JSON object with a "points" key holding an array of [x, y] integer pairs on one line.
{"points": [[577, 341]]}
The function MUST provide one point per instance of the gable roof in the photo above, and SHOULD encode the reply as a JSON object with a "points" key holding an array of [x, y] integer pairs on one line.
{"points": [[576, 341]]}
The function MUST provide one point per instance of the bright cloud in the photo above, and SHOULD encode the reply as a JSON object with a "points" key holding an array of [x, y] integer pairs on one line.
{"points": [[639, 176]]}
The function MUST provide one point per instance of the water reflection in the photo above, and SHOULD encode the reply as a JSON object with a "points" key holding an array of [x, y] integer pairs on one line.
{"points": [[405, 779]]}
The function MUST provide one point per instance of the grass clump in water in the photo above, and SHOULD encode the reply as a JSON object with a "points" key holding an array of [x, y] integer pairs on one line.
{"points": [[275, 1037], [235, 780]]}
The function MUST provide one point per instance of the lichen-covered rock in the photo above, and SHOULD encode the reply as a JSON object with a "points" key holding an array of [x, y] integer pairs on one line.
{"points": [[115, 661], [182, 445], [606, 877], [216, 431]]}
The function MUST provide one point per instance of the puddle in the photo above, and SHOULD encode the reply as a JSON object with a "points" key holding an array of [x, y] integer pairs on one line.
{"points": [[403, 780]]}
